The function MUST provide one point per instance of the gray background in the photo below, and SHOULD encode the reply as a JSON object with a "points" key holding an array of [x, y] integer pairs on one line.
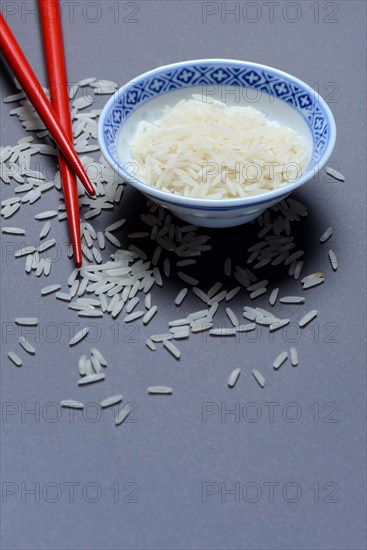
{"points": [[169, 452]]}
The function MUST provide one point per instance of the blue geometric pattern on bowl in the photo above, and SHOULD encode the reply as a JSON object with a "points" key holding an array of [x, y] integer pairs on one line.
{"points": [[227, 74]]}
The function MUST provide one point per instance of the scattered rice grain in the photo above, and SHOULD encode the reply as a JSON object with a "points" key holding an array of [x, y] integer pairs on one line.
{"points": [[258, 377], [109, 401], [292, 300], [71, 404], [334, 173], [15, 358], [278, 361], [122, 415], [79, 336], [172, 349], [333, 260], [233, 377], [27, 346], [308, 318], [180, 296], [294, 357], [326, 235], [27, 321], [159, 390], [91, 378]]}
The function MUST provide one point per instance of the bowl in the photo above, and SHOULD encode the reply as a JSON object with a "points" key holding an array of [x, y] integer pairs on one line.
{"points": [[282, 97]]}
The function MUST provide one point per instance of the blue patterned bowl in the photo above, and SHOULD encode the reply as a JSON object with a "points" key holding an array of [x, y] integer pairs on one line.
{"points": [[280, 96]]}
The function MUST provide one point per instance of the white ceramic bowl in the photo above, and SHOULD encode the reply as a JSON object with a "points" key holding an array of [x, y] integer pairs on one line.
{"points": [[280, 96]]}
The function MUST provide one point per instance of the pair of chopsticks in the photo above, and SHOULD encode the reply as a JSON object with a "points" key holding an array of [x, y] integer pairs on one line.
{"points": [[56, 117]]}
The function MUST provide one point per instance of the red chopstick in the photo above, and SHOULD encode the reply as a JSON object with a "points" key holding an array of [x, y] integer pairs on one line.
{"points": [[13, 54], [57, 79]]}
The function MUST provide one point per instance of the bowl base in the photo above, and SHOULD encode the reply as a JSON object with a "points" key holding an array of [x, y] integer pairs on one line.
{"points": [[217, 223]]}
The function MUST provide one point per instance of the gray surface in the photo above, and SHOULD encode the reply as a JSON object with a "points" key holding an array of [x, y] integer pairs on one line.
{"points": [[170, 452]]}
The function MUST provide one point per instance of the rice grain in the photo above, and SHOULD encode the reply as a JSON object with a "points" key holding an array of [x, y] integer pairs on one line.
{"points": [[335, 174], [91, 378], [122, 415], [294, 357], [170, 346], [15, 358], [71, 404], [180, 296], [159, 390], [258, 377], [326, 235], [109, 401], [49, 289], [278, 362], [150, 314], [308, 318], [292, 300], [233, 377], [27, 321], [333, 260], [27, 346], [79, 336]]}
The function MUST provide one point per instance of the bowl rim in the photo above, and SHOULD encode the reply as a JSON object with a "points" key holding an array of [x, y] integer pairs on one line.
{"points": [[212, 204]]}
